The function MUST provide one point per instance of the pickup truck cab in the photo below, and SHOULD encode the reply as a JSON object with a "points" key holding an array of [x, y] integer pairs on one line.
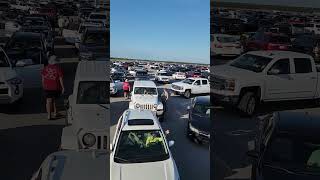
{"points": [[70, 164], [191, 86], [88, 108], [163, 77], [262, 76], [11, 85], [145, 96], [140, 150]]}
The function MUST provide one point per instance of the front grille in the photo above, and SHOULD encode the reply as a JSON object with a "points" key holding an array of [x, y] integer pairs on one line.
{"points": [[217, 82], [147, 106], [4, 91]]}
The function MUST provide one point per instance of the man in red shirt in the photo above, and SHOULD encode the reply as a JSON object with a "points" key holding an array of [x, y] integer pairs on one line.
{"points": [[52, 82]]}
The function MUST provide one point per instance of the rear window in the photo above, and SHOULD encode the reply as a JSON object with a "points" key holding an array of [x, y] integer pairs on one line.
{"points": [[227, 39], [279, 39], [303, 65]]}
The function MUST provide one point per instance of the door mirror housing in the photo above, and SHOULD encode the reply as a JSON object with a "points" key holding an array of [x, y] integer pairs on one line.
{"points": [[24, 62], [171, 144], [273, 71]]}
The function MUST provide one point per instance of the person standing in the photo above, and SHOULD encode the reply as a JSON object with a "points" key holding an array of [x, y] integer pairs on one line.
{"points": [[164, 98], [52, 82], [126, 88], [61, 22]]}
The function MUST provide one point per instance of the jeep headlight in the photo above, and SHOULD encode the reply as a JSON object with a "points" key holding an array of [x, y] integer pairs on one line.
{"points": [[88, 139], [155, 106], [160, 106], [230, 84], [137, 106]]}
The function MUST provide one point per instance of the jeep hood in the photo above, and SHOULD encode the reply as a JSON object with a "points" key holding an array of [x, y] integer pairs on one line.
{"points": [[163, 170], [231, 72], [90, 116], [6, 73], [145, 99]]}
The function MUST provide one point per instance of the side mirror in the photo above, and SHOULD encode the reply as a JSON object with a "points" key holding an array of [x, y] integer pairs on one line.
{"points": [[273, 71], [171, 143], [24, 62]]}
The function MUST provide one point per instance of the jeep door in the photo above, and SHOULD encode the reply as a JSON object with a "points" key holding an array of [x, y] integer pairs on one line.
{"points": [[279, 84]]}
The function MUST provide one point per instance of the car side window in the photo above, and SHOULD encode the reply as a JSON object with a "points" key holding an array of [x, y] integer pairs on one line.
{"points": [[197, 83], [282, 66], [302, 65], [204, 82]]}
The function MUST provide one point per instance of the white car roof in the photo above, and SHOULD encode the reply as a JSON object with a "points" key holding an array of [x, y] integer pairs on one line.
{"points": [[92, 70], [134, 114], [144, 84], [279, 54], [197, 78], [70, 164]]}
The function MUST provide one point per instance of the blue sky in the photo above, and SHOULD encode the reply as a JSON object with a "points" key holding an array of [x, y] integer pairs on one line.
{"points": [[172, 30], [298, 3]]}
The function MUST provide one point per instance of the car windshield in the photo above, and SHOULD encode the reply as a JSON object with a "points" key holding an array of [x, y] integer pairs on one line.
{"points": [[201, 109], [145, 90], [95, 38], [280, 39], [227, 39], [141, 146], [3, 60], [92, 92], [163, 74], [297, 154], [188, 81], [251, 62]]}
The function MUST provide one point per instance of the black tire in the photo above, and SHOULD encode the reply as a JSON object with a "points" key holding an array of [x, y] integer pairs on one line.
{"points": [[187, 94], [248, 104]]}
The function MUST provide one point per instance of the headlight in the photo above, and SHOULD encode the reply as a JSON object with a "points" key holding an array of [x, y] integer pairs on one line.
{"points": [[137, 106], [15, 81], [89, 139], [230, 84], [194, 129]]}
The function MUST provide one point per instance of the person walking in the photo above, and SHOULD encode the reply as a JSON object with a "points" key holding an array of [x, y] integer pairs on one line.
{"points": [[52, 82], [164, 98], [126, 88]]}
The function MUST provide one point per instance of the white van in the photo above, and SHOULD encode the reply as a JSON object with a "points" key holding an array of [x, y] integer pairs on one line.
{"points": [[88, 108]]}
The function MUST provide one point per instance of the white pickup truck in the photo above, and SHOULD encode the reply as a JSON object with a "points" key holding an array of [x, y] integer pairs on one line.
{"points": [[261, 76], [191, 86]]}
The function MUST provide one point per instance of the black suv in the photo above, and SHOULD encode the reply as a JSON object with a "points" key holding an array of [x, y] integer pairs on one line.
{"points": [[287, 147], [198, 127]]}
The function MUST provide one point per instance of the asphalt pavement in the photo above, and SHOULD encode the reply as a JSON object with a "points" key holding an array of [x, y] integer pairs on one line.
{"points": [[193, 160]]}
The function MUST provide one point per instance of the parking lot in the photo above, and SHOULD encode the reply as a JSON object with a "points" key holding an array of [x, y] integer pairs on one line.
{"points": [[192, 159]]}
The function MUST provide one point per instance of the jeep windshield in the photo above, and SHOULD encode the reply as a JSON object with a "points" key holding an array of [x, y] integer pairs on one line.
{"points": [[141, 146], [201, 109], [98, 38], [145, 90], [93, 92], [251, 62], [188, 81], [294, 153]]}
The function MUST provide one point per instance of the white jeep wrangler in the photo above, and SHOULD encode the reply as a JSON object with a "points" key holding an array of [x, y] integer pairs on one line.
{"points": [[145, 96], [88, 108]]}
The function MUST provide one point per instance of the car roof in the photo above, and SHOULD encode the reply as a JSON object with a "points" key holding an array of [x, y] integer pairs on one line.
{"points": [[202, 99], [144, 83], [305, 124], [197, 78], [135, 114], [92, 70], [273, 54], [69, 164]]}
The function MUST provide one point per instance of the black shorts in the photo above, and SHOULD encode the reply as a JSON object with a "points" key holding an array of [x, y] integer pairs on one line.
{"points": [[127, 91], [52, 94]]}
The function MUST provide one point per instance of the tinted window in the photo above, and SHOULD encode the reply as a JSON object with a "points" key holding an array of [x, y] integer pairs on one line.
{"points": [[283, 65], [204, 82], [279, 39], [93, 92], [145, 90], [197, 83], [302, 65]]}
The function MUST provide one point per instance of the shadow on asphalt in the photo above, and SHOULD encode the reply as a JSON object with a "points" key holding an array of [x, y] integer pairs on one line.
{"points": [[115, 113], [23, 149]]}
